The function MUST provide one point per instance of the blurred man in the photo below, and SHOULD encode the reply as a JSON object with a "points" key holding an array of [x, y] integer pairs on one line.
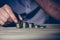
{"points": [[31, 11]]}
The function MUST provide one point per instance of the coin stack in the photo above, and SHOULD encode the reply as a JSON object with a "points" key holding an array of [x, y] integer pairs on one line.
{"points": [[28, 25]]}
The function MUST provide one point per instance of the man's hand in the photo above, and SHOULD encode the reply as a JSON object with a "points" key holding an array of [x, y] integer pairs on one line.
{"points": [[7, 15]]}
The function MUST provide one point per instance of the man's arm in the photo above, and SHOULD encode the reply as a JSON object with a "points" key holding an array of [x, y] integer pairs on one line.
{"points": [[52, 8]]}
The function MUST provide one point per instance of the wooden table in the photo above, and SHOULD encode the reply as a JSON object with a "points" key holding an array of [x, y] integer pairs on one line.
{"points": [[11, 33]]}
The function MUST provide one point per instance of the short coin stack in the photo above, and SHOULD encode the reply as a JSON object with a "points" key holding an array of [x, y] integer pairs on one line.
{"points": [[28, 25]]}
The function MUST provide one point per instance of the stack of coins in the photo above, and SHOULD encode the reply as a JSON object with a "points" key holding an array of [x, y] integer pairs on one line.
{"points": [[31, 25], [26, 25], [17, 25], [42, 26], [36, 26], [20, 24]]}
